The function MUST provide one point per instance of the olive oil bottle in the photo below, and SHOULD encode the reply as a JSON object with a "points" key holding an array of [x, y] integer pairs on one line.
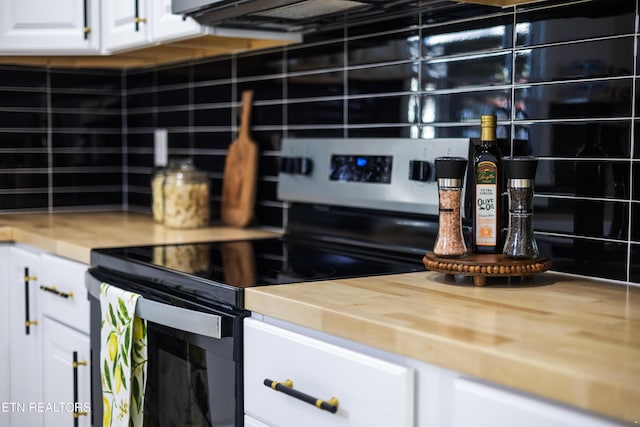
{"points": [[487, 188]]}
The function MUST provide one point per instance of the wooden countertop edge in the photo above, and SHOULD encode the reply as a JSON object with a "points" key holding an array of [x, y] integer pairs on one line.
{"points": [[48, 232], [565, 384], [6, 234]]}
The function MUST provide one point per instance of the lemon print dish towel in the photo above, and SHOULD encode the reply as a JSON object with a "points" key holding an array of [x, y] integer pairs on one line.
{"points": [[123, 358]]}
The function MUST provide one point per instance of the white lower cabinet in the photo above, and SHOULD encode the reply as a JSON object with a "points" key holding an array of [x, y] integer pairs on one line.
{"points": [[252, 422], [67, 380], [25, 335], [65, 316], [370, 392], [480, 404], [47, 324], [378, 388], [5, 391]]}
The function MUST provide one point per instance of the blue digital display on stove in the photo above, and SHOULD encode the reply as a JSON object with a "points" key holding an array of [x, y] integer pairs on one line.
{"points": [[360, 168]]}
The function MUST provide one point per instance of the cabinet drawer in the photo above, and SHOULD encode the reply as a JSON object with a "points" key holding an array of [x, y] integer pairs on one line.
{"points": [[62, 292], [370, 392]]}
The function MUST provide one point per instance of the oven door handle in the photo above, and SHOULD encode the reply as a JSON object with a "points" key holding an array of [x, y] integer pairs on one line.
{"points": [[179, 318]]}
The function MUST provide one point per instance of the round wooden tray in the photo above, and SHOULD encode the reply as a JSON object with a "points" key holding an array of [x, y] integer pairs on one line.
{"points": [[481, 266]]}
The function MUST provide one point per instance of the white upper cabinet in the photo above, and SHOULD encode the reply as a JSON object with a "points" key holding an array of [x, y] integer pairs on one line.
{"points": [[166, 26], [49, 26], [125, 24], [130, 24], [121, 33]]}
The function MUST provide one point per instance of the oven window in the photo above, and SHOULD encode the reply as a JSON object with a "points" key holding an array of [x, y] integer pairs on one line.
{"points": [[188, 383]]}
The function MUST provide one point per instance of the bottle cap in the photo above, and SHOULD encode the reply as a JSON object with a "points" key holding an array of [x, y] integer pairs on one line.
{"points": [[450, 167], [488, 120], [520, 167]]}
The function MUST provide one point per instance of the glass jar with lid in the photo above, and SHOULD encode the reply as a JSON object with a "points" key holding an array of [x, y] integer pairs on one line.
{"points": [[186, 196], [157, 196], [157, 189]]}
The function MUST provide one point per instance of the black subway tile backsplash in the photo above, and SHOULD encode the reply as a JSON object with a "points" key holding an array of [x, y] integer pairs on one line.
{"points": [[10, 181], [317, 85], [87, 178], [539, 24], [588, 257], [583, 139], [22, 119], [24, 201], [23, 139], [315, 57], [74, 198], [260, 64], [212, 93], [212, 70], [22, 99], [560, 75], [580, 60], [577, 217], [386, 47], [172, 97], [263, 89]]}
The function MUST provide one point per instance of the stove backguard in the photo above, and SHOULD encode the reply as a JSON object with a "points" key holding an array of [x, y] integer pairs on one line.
{"points": [[374, 173]]}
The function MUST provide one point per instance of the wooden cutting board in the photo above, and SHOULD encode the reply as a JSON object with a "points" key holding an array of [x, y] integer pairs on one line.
{"points": [[240, 173]]}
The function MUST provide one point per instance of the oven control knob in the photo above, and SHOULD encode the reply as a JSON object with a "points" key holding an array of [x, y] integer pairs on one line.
{"points": [[296, 165], [419, 170]]}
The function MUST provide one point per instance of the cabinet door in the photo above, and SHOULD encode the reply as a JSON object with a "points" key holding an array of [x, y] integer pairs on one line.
{"points": [[124, 24], [479, 404], [5, 393], [49, 26], [67, 379], [166, 26], [25, 334]]}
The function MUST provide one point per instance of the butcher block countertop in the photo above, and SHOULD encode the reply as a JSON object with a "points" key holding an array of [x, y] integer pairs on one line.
{"points": [[568, 339], [564, 338], [73, 235]]}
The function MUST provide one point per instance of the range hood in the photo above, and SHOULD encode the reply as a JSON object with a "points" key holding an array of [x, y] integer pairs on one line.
{"points": [[288, 15]]}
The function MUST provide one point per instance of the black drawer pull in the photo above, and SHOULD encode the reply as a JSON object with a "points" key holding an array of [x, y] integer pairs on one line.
{"points": [[27, 321], [286, 387], [76, 412], [53, 290]]}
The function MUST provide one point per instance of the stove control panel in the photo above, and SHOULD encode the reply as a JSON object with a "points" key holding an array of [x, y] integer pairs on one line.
{"points": [[375, 173]]}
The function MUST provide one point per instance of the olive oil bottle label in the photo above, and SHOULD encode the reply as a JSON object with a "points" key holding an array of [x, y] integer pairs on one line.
{"points": [[486, 197]]}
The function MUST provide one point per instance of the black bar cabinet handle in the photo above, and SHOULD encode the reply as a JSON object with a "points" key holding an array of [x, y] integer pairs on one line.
{"points": [[137, 20], [286, 387], [27, 322], [55, 291], [76, 413], [85, 29]]}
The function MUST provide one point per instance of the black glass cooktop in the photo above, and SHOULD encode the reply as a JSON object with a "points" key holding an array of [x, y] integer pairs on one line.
{"points": [[219, 271]]}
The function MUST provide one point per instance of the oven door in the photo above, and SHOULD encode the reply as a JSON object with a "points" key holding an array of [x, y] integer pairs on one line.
{"points": [[194, 368]]}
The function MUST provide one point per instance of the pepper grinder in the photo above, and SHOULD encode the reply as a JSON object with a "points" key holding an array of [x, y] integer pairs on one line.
{"points": [[450, 174], [520, 172]]}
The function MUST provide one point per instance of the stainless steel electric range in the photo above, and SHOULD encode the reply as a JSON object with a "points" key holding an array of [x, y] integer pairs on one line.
{"points": [[355, 207]]}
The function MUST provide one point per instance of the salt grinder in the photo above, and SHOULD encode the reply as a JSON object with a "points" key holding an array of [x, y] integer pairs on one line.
{"points": [[520, 173], [450, 175]]}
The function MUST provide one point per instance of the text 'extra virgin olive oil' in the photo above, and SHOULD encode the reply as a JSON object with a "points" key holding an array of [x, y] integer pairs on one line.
{"points": [[487, 179]]}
